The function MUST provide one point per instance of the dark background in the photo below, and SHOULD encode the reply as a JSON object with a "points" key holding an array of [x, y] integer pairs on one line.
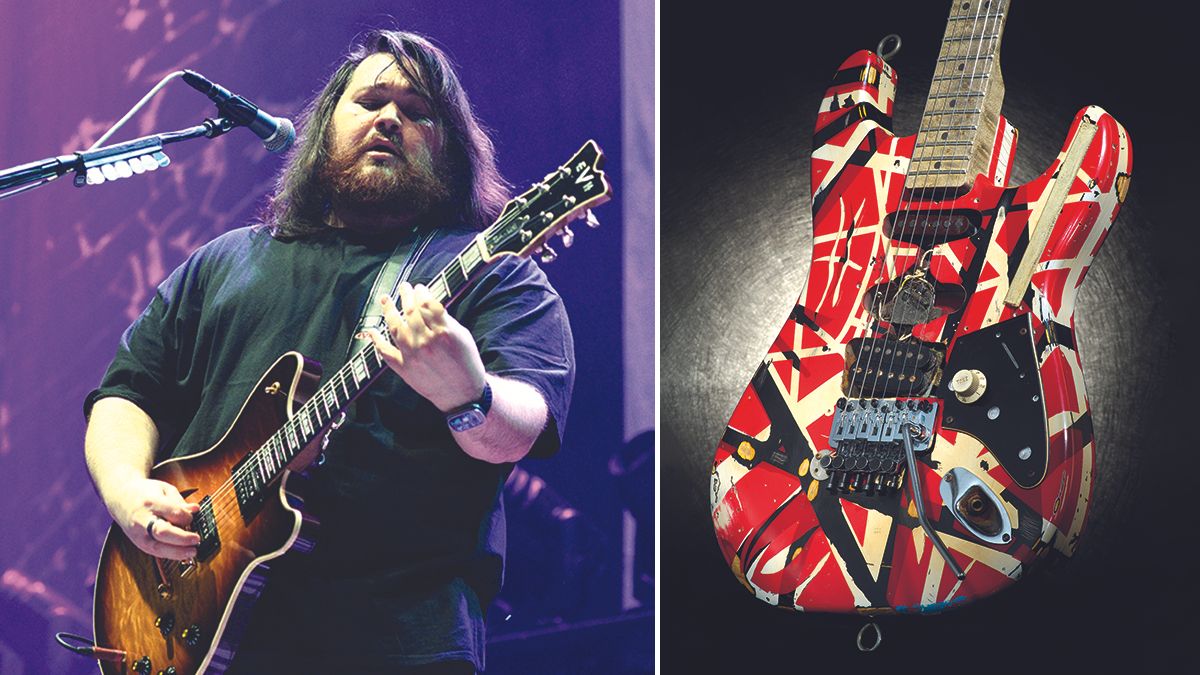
{"points": [[739, 96], [77, 265]]}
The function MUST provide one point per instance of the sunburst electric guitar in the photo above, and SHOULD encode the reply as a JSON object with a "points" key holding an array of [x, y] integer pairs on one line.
{"points": [[159, 616], [918, 434]]}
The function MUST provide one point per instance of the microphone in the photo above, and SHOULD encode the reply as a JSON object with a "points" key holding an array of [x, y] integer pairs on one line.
{"points": [[277, 133]]}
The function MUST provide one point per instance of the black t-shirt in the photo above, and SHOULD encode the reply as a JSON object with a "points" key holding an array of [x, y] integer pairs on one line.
{"points": [[405, 514]]}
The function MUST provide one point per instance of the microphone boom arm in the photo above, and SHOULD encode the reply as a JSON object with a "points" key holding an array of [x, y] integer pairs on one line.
{"points": [[80, 162]]}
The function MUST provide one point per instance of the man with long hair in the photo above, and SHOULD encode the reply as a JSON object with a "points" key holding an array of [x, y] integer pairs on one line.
{"points": [[411, 550]]}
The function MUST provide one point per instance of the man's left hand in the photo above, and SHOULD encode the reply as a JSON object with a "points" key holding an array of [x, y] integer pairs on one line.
{"points": [[429, 349]]}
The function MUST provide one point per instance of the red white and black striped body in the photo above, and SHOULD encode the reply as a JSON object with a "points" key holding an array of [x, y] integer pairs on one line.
{"points": [[801, 531]]}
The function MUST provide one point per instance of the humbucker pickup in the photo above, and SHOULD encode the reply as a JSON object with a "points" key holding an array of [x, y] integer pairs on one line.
{"points": [[887, 368]]}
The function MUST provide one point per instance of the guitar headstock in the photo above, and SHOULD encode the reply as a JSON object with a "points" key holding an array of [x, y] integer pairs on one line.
{"points": [[545, 209]]}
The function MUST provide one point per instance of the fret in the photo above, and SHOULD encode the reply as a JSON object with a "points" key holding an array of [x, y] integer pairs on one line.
{"points": [[277, 450], [312, 410], [358, 369], [963, 76], [953, 127], [455, 276], [985, 17], [964, 111], [438, 289], [305, 423], [294, 441], [377, 357], [941, 158], [471, 257], [331, 401], [937, 142], [981, 38], [259, 468], [934, 172], [989, 57], [957, 94], [341, 377]]}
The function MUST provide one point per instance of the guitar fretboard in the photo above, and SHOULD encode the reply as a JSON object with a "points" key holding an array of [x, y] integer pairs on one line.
{"points": [[962, 111], [523, 226], [337, 393]]}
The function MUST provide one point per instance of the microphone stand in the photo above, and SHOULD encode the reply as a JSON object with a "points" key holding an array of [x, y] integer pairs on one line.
{"points": [[35, 174]]}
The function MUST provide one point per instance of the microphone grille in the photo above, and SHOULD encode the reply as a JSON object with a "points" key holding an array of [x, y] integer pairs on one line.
{"points": [[283, 137]]}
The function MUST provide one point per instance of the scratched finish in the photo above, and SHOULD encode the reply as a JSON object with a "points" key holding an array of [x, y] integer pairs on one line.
{"points": [[787, 535], [736, 243]]}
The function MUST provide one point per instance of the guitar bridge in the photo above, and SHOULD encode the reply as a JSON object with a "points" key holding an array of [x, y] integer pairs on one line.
{"points": [[867, 440]]}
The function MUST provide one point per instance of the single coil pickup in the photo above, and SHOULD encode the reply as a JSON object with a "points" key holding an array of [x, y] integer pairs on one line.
{"points": [[898, 304], [887, 367], [928, 228]]}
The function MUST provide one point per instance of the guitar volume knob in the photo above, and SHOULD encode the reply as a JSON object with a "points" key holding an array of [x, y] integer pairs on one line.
{"points": [[968, 385], [191, 635], [165, 624]]}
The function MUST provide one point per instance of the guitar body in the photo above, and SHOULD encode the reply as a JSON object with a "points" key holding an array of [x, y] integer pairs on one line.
{"points": [[178, 619], [809, 520], [216, 595]]}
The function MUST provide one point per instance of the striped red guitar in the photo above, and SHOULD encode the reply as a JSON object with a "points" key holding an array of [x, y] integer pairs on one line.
{"points": [[159, 616], [918, 434]]}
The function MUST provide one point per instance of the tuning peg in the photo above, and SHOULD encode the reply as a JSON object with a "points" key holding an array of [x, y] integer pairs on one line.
{"points": [[548, 254], [591, 219], [568, 237]]}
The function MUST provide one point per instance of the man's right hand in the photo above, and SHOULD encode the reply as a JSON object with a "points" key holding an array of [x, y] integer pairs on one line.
{"points": [[143, 501]]}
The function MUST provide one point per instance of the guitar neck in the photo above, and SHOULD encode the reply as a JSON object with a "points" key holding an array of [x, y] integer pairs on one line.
{"points": [[958, 127], [359, 372]]}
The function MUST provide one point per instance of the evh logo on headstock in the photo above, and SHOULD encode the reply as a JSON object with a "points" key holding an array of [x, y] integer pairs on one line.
{"points": [[585, 174]]}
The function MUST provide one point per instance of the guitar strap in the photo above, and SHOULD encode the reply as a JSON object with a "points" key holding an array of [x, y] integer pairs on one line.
{"points": [[394, 272]]}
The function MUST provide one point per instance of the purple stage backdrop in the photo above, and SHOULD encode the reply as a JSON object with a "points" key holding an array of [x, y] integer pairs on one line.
{"points": [[78, 264]]}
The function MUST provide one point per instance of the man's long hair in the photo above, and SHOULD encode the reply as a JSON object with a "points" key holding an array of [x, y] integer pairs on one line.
{"points": [[299, 206]]}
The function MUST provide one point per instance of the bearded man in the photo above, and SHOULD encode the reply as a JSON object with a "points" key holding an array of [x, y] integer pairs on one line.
{"points": [[411, 547]]}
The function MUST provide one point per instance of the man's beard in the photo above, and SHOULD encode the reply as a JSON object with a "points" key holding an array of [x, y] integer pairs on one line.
{"points": [[379, 196]]}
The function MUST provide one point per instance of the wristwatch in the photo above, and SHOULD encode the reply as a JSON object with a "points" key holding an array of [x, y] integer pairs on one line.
{"points": [[472, 414]]}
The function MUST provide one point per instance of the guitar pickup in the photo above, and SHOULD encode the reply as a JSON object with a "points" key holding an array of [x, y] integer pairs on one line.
{"points": [[204, 523]]}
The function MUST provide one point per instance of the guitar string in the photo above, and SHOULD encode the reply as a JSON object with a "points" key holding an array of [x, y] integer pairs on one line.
{"points": [[223, 514], [343, 376], [977, 40], [222, 508], [921, 197], [978, 59], [939, 88], [938, 264], [875, 324]]}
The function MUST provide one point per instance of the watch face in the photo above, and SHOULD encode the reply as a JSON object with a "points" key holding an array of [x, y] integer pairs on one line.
{"points": [[467, 419]]}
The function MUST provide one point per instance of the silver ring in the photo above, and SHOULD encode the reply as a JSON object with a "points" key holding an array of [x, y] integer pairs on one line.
{"points": [[863, 646], [150, 527]]}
